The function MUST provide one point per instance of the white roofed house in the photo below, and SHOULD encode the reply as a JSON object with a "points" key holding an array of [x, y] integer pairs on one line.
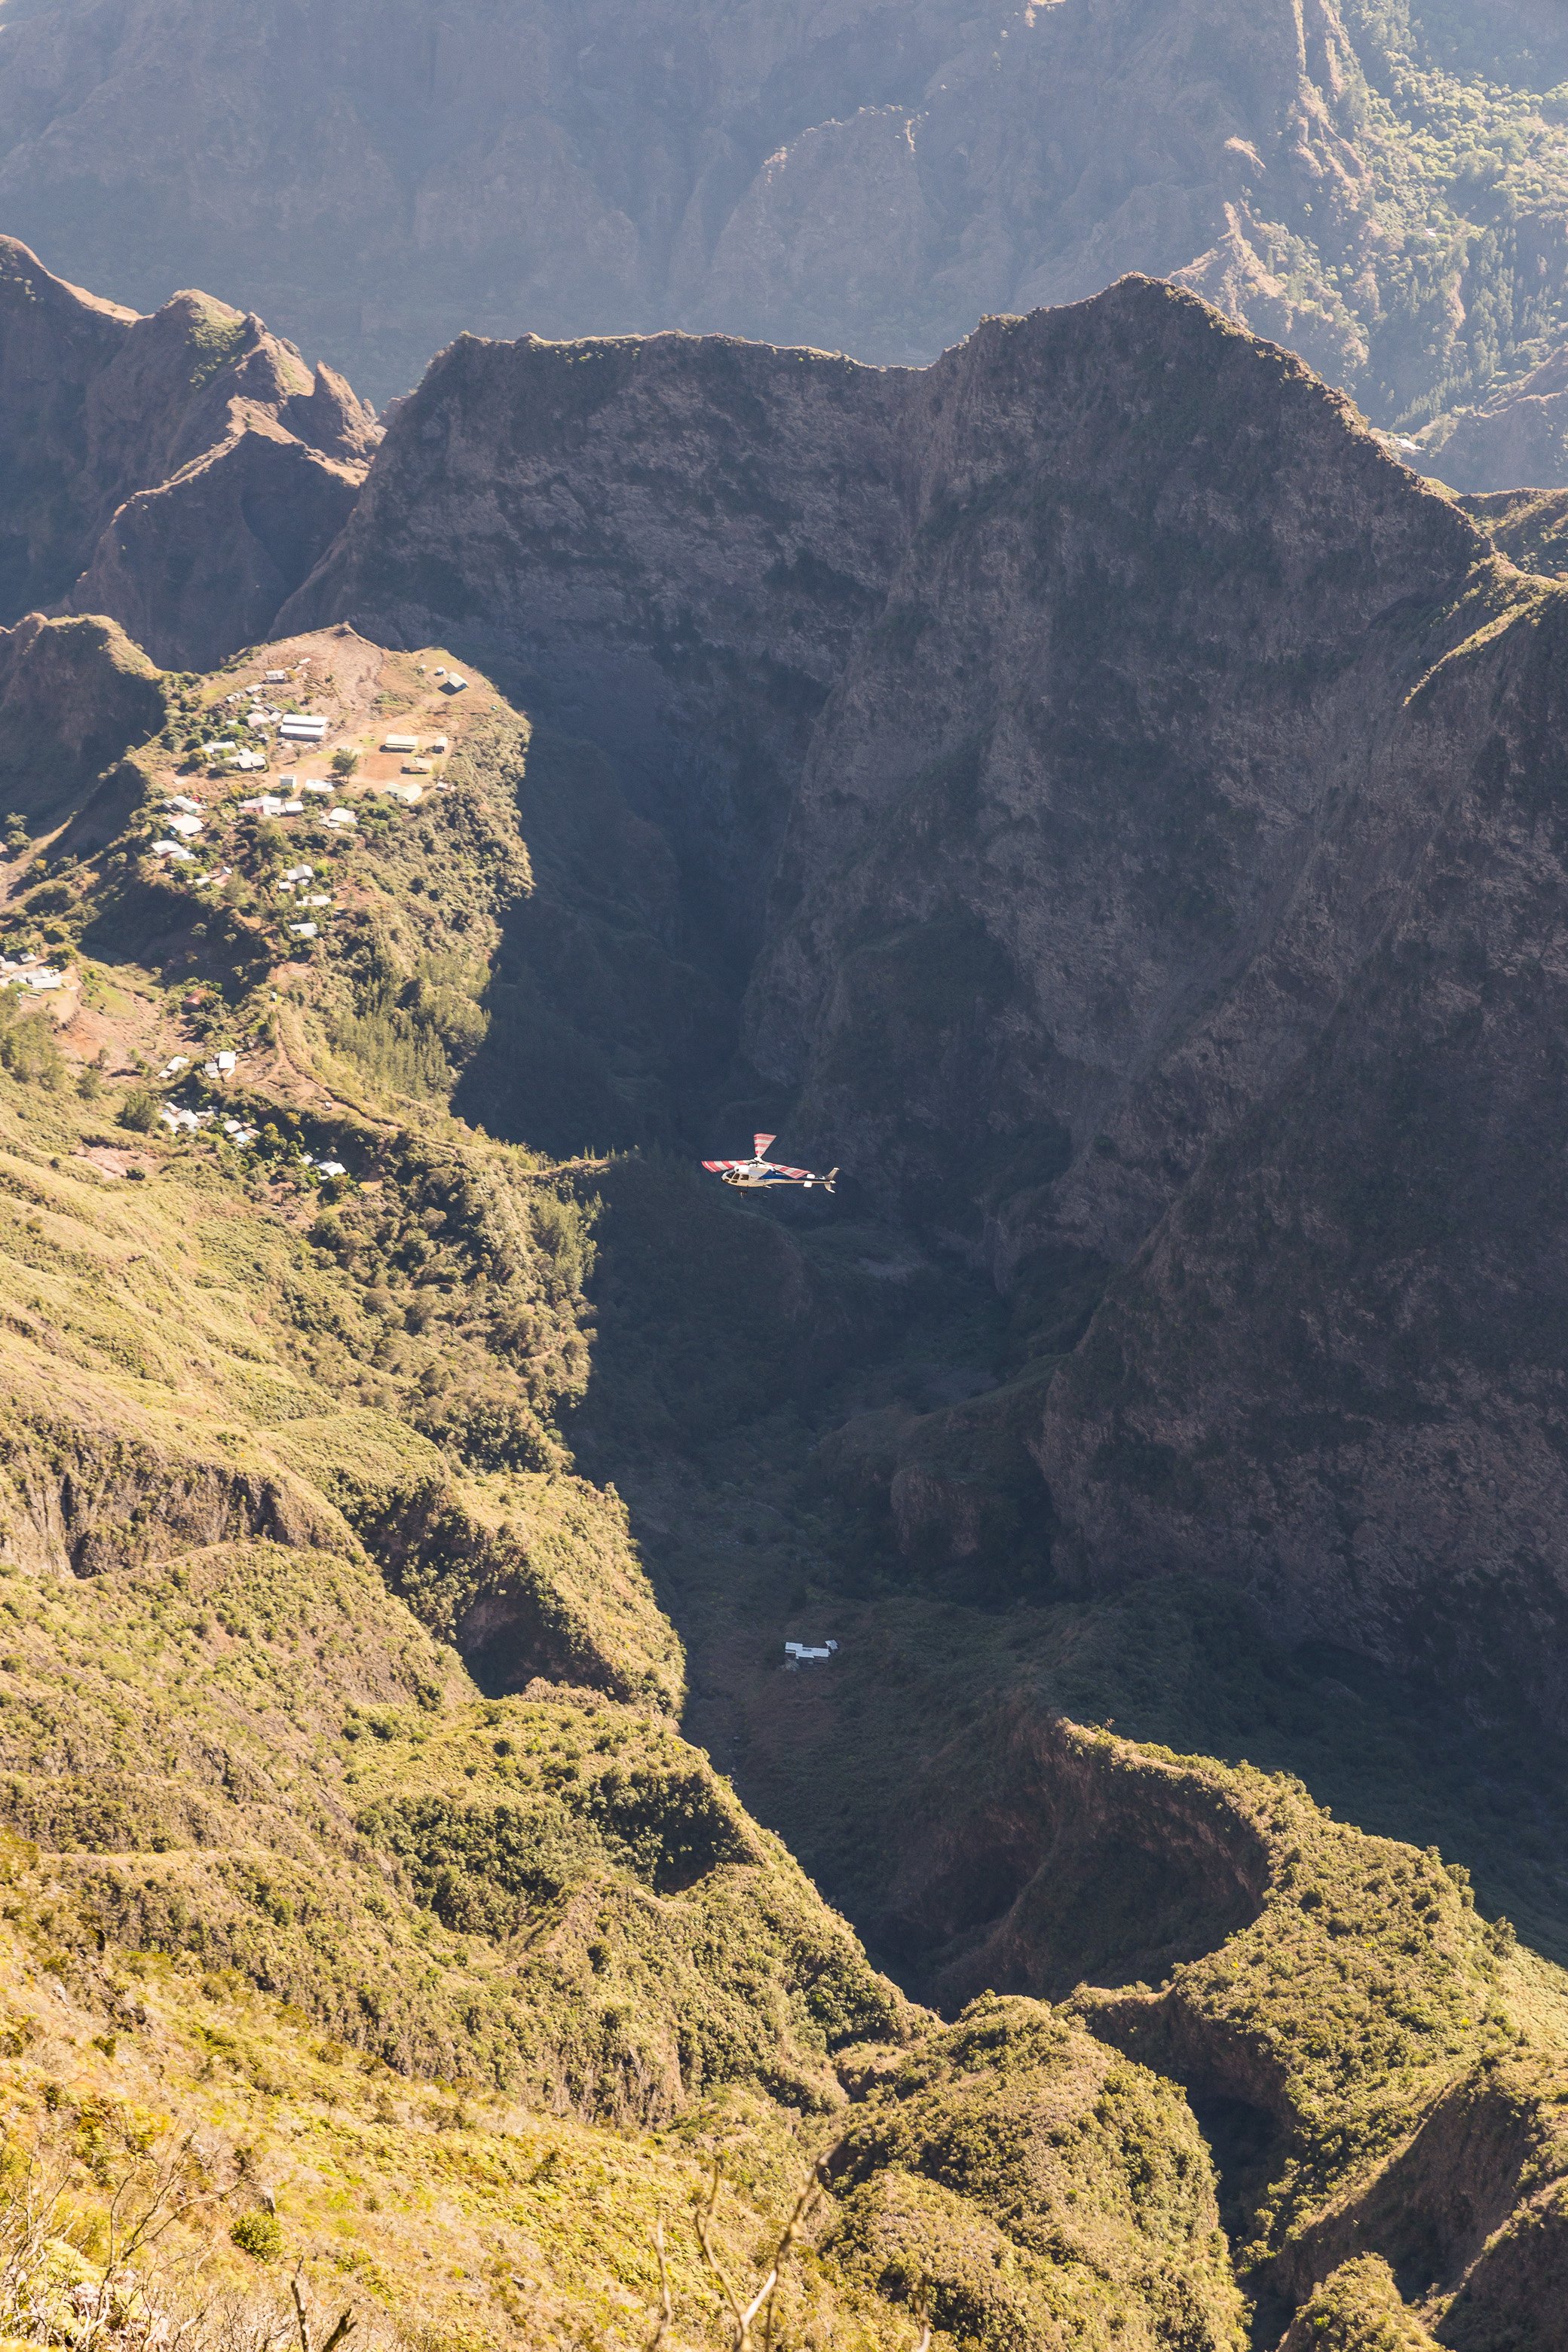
{"points": [[805, 1654]]}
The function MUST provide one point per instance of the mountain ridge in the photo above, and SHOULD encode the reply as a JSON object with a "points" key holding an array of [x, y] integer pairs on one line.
{"points": [[139, 442], [1379, 184]]}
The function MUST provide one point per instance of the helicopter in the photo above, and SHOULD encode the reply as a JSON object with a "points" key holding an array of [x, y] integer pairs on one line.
{"points": [[760, 1175]]}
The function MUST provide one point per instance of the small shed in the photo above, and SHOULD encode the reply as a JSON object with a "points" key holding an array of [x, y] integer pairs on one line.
{"points": [[805, 1654]]}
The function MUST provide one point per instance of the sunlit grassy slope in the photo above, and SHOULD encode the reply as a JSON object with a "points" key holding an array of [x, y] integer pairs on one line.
{"points": [[351, 1827]]}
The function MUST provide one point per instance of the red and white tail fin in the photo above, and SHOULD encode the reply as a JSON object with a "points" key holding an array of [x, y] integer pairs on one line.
{"points": [[762, 1143]]}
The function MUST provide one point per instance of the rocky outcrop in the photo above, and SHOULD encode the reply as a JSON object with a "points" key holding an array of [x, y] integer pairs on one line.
{"points": [[74, 696], [181, 472], [1047, 1859], [84, 1498], [200, 565], [1377, 188], [525, 1576]]}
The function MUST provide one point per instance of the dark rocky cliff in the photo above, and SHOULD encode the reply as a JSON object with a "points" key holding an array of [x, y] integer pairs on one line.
{"points": [[1111, 763]]}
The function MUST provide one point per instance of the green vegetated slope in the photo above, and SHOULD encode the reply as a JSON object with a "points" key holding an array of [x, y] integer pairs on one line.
{"points": [[273, 1445], [337, 1711]]}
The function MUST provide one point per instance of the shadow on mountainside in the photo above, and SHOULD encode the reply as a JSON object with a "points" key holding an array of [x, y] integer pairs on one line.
{"points": [[817, 1417], [734, 1346]]}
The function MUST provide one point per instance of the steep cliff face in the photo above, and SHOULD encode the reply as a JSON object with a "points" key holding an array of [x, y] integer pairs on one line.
{"points": [[180, 472], [1020, 692], [670, 546], [1380, 186], [1106, 750], [1161, 602], [1347, 1331]]}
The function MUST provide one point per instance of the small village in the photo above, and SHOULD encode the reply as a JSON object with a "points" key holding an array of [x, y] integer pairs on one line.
{"points": [[312, 747]]}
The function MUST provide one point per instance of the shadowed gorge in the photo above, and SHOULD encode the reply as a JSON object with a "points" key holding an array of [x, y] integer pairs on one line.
{"points": [[1078, 838]]}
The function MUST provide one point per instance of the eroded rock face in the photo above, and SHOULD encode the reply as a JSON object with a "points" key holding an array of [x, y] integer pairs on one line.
{"points": [[858, 175], [1137, 795], [200, 565], [670, 546], [1347, 1330], [181, 472]]}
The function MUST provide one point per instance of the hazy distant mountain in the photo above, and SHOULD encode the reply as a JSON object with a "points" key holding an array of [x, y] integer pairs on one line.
{"points": [[1381, 183]]}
